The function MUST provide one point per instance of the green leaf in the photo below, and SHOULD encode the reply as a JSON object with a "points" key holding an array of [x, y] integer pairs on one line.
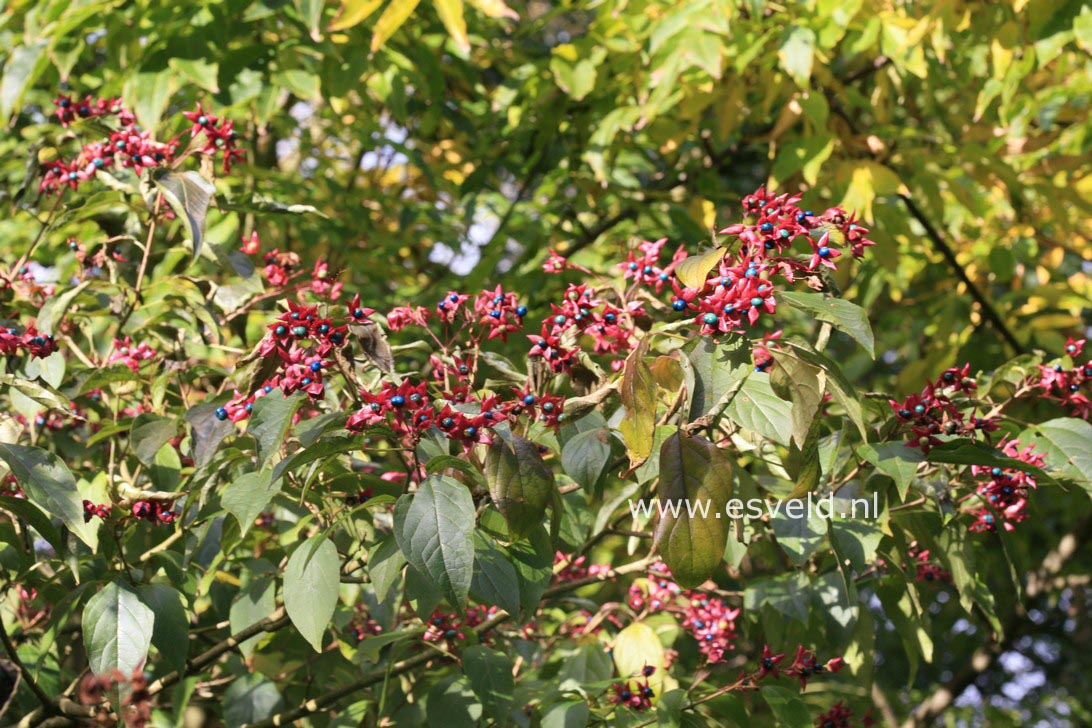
{"points": [[694, 474], [49, 485], [19, 74], [394, 15], [520, 483], [495, 580], [1066, 443], [256, 600], [964, 451], [855, 540], [189, 195], [251, 698], [149, 433], [569, 714], [797, 54], [270, 420], [589, 663], [693, 270], [788, 709], [798, 535], [490, 675], [385, 565], [756, 408], [434, 528], [248, 495], [170, 634], [836, 383], [638, 394], [452, 704], [117, 630], [805, 385], [849, 318], [451, 15], [254, 202], [35, 518], [586, 455], [787, 594], [894, 459], [206, 432], [149, 92], [197, 70], [312, 579], [714, 371]]}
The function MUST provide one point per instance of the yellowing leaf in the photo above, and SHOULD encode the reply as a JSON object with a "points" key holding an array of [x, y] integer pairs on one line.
{"points": [[495, 9], [869, 180], [797, 54], [693, 271], [393, 17], [353, 12], [451, 14]]}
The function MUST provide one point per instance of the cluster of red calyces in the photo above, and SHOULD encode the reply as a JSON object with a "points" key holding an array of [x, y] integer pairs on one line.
{"points": [[643, 265], [804, 666], [129, 146], [451, 628], [582, 313], [926, 569], [634, 693], [944, 407], [35, 343], [1070, 385], [740, 289], [1004, 491], [707, 618], [152, 511], [129, 355], [568, 569], [136, 705], [839, 717]]}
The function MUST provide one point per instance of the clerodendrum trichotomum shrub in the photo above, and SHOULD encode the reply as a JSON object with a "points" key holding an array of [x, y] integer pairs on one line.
{"points": [[231, 486]]}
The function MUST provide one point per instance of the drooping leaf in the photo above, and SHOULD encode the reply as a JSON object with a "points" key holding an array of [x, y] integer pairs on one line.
{"points": [[270, 420], [1066, 443], [47, 483], [797, 54], [353, 12], [312, 579], [714, 371], [256, 600], [251, 698], [894, 459], [495, 580], [434, 528], [804, 384], [788, 709], [451, 15], [586, 455], [759, 410], [206, 431], [694, 474], [170, 634], [638, 394], [520, 483], [394, 15], [189, 195], [149, 433], [117, 630]]}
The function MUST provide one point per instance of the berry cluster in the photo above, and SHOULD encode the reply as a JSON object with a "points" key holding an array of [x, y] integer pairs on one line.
{"points": [[35, 343], [804, 666], [581, 313], [568, 569], [740, 289], [152, 511], [635, 694], [129, 355], [645, 270], [926, 569], [1065, 385], [451, 628], [129, 146], [1004, 491], [707, 618], [942, 409]]}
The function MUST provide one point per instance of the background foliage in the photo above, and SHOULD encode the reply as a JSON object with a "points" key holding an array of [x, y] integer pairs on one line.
{"points": [[448, 146]]}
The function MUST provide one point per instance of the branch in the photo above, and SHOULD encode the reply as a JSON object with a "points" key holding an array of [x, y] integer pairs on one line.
{"points": [[43, 698], [988, 311], [1038, 583]]}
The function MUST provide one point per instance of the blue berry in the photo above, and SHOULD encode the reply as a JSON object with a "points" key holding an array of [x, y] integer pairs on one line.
{"points": [[548, 407], [559, 319], [824, 252], [663, 276], [249, 407], [678, 304], [470, 431], [202, 120], [756, 301], [521, 311], [767, 227], [398, 400], [610, 318], [454, 298], [996, 472], [324, 328], [316, 365], [267, 389], [633, 266], [359, 313], [529, 399], [306, 381], [447, 423], [709, 319], [221, 414], [919, 408], [494, 314]]}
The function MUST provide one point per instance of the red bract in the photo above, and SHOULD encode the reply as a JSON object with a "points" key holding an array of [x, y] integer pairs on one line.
{"points": [[636, 695], [1071, 386], [837, 717], [1005, 491], [938, 412], [129, 355]]}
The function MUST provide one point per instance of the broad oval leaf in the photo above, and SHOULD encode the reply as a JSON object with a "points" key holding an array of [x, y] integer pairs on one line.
{"points": [[117, 630], [170, 633], [636, 647], [353, 12], [151, 432], [312, 579], [849, 318], [712, 372], [585, 456], [270, 420], [489, 672], [694, 489], [521, 484], [434, 528], [451, 15], [248, 495]]}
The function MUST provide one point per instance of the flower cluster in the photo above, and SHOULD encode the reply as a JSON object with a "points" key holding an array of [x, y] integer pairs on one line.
{"points": [[1004, 491], [129, 355], [804, 666], [582, 313], [644, 269], [35, 343], [1065, 385], [740, 288], [942, 409], [130, 147], [568, 569]]}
